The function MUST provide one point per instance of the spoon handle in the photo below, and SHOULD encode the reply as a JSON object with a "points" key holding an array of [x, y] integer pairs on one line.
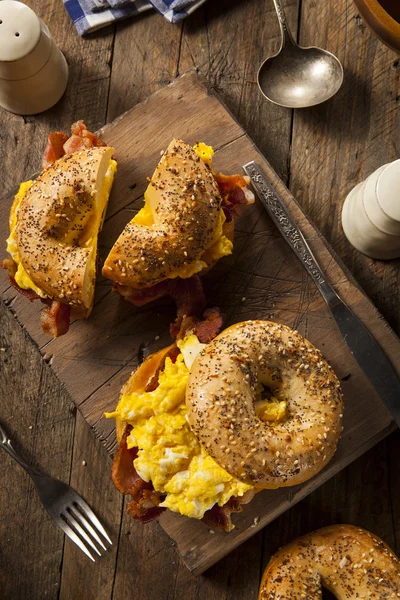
{"points": [[287, 37]]}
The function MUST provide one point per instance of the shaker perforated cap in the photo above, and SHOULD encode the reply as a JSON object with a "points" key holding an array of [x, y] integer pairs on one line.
{"points": [[24, 41], [19, 30]]}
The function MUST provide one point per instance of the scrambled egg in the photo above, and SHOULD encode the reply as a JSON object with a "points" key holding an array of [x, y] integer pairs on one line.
{"points": [[220, 245], [272, 409], [169, 454], [90, 236], [205, 152]]}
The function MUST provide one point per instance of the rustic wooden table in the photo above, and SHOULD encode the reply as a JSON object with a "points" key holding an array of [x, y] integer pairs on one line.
{"points": [[320, 153]]}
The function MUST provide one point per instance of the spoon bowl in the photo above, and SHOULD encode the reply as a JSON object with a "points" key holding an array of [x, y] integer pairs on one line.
{"points": [[298, 77]]}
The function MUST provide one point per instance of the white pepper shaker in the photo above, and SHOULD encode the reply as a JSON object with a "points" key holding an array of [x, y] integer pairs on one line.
{"points": [[33, 71], [371, 214]]}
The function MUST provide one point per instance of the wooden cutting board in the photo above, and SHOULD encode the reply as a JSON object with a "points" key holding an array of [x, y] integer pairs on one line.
{"points": [[261, 280]]}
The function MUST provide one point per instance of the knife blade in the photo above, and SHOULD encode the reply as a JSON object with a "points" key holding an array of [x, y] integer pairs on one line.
{"points": [[363, 346]]}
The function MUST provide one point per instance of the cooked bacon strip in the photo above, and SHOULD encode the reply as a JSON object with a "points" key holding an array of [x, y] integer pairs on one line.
{"points": [[145, 505], [58, 143], [152, 383], [54, 148], [189, 298], [234, 192], [55, 318], [81, 138], [145, 501], [227, 183], [220, 517], [141, 297], [123, 472], [11, 266], [207, 329]]}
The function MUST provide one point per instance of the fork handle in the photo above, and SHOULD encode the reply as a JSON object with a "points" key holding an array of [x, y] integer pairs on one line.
{"points": [[5, 443]]}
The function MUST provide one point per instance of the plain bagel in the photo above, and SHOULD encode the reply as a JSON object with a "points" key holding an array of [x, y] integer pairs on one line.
{"points": [[350, 562], [224, 389]]}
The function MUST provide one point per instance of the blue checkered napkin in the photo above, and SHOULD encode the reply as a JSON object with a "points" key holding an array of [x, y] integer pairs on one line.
{"points": [[89, 15]]}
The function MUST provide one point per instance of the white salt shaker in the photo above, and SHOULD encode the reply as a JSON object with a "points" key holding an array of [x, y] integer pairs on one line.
{"points": [[371, 213], [33, 71]]}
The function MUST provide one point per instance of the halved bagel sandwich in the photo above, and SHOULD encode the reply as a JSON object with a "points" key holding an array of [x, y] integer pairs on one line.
{"points": [[184, 228], [54, 224], [209, 421]]}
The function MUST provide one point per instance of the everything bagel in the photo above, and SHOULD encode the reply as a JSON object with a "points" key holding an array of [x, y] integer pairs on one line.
{"points": [[225, 403], [185, 226], [184, 204], [350, 562]]}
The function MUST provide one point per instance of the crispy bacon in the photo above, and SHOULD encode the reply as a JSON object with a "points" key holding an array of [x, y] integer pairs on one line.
{"points": [[152, 383], [9, 265], [59, 144], [234, 192], [190, 300], [141, 297], [81, 138], [227, 183], [210, 326], [55, 318], [145, 501], [220, 517], [54, 148]]}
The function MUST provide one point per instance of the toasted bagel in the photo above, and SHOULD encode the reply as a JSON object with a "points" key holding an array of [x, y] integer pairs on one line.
{"points": [[58, 223], [349, 561], [223, 395], [184, 202]]}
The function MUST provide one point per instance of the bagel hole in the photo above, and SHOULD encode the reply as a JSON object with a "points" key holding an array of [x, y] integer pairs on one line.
{"points": [[270, 406], [327, 595]]}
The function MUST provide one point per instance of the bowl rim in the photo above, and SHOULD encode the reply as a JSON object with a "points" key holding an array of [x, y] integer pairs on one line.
{"points": [[381, 14]]}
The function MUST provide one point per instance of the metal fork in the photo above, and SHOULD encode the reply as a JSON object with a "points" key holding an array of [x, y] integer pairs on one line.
{"points": [[67, 509]]}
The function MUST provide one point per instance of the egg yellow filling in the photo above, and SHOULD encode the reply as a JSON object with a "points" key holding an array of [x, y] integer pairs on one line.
{"points": [[273, 409], [220, 245], [89, 236], [169, 454]]}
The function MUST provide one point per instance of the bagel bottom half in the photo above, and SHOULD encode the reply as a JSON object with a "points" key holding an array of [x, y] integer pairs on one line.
{"points": [[350, 562], [142, 296]]}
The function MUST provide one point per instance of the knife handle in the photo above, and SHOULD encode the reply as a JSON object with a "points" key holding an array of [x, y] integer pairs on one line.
{"points": [[291, 233]]}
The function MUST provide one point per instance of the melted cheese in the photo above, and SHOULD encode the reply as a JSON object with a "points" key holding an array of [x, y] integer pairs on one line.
{"points": [[169, 454]]}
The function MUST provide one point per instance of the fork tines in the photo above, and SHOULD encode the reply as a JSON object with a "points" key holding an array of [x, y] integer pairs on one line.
{"points": [[81, 525]]}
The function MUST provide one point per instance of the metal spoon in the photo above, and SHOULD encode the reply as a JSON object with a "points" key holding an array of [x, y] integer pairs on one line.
{"points": [[298, 77]]}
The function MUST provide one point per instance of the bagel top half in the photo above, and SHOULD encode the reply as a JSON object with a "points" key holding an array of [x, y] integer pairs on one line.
{"points": [[54, 225], [181, 219], [253, 366]]}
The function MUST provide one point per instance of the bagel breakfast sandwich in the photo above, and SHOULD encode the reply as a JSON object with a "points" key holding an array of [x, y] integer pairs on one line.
{"points": [[54, 225], [207, 422], [350, 562], [185, 226]]}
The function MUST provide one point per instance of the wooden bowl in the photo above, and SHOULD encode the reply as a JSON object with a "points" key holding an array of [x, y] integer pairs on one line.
{"points": [[385, 27]]}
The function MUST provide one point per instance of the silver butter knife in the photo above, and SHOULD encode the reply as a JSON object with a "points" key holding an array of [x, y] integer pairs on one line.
{"points": [[360, 342]]}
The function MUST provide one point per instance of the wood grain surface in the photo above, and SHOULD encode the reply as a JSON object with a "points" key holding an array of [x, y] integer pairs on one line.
{"points": [[110, 72]]}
